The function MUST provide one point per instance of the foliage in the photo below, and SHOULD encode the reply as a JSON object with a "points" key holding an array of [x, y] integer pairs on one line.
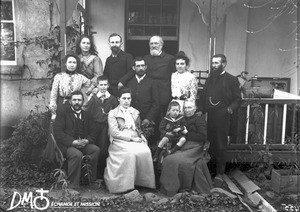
{"points": [[16, 152], [258, 117], [263, 165], [86, 170], [60, 179]]}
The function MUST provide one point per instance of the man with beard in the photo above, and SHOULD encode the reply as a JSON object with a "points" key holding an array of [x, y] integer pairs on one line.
{"points": [[75, 138], [117, 64], [160, 67], [220, 98], [144, 92]]}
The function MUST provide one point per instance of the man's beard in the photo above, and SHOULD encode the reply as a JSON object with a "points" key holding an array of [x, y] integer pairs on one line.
{"points": [[76, 107], [141, 73], [154, 52], [115, 49], [217, 71]]}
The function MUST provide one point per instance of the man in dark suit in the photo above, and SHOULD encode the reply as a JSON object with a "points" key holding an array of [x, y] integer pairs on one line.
{"points": [[75, 138], [144, 92], [220, 98], [160, 67], [117, 64]]}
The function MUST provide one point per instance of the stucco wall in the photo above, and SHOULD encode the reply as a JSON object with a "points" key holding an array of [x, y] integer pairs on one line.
{"points": [[106, 17], [193, 36], [32, 19], [263, 55], [258, 53]]}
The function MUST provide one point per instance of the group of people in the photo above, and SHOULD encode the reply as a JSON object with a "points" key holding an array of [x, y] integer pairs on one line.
{"points": [[100, 112]]}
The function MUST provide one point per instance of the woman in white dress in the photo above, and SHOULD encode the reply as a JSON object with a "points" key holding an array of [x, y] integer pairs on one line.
{"points": [[130, 161], [184, 84]]}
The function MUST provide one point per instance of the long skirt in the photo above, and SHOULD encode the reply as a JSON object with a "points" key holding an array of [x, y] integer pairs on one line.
{"points": [[186, 170], [128, 164]]}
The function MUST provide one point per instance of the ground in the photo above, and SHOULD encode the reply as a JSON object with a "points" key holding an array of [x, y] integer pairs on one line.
{"points": [[95, 199]]}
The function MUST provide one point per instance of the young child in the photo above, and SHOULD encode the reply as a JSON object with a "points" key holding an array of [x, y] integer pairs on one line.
{"points": [[98, 107], [172, 129]]}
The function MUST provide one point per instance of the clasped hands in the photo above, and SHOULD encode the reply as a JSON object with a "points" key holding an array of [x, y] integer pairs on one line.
{"points": [[137, 139], [80, 143]]}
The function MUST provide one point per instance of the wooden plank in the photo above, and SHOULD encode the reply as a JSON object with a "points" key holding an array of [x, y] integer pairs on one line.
{"points": [[283, 123], [266, 123], [247, 101], [263, 205], [262, 147], [245, 204], [294, 128], [231, 185], [248, 186]]}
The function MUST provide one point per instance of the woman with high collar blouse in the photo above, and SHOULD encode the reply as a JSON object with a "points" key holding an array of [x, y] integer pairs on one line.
{"points": [[65, 83]]}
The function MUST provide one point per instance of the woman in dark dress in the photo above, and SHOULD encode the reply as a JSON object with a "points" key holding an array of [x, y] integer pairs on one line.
{"points": [[186, 169]]}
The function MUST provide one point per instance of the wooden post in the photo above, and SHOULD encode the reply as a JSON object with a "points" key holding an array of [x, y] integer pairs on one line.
{"points": [[283, 123], [63, 21], [266, 123], [247, 124], [212, 29]]}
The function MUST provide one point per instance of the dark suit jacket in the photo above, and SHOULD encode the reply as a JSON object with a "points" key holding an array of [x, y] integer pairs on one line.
{"points": [[117, 67], [144, 97], [64, 129], [98, 111], [231, 92], [159, 68]]}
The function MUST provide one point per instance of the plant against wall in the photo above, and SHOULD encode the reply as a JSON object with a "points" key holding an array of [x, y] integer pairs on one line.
{"points": [[17, 152]]}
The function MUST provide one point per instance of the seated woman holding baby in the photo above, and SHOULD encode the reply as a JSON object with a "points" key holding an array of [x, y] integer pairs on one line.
{"points": [[186, 168]]}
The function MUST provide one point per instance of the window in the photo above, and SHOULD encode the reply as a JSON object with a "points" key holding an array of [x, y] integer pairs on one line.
{"points": [[152, 17], [145, 18], [8, 35]]}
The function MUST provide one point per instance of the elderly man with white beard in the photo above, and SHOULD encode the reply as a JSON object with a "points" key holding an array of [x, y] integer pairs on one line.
{"points": [[160, 67]]}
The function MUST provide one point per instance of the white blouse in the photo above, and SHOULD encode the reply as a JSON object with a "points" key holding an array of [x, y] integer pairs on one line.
{"points": [[184, 84], [64, 84]]}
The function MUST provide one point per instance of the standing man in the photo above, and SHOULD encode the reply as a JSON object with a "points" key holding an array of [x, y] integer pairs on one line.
{"points": [[117, 64], [160, 67], [75, 138], [144, 92], [221, 97]]}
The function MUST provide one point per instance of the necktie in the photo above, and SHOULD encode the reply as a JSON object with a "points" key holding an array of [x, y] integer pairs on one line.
{"points": [[77, 115]]}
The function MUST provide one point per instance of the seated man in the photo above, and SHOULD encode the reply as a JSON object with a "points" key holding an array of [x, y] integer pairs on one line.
{"points": [[98, 108], [75, 138]]}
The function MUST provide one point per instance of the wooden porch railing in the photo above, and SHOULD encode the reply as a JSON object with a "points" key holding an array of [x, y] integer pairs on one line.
{"points": [[271, 124]]}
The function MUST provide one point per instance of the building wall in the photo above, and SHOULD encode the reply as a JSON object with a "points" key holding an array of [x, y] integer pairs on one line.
{"points": [[193, 36], [106, 17], [32, 19], [258, 53], [264, 57]]}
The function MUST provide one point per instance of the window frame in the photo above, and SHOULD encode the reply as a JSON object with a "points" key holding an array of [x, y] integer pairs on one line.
{"points": [[143, 3], [13, 21]]}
